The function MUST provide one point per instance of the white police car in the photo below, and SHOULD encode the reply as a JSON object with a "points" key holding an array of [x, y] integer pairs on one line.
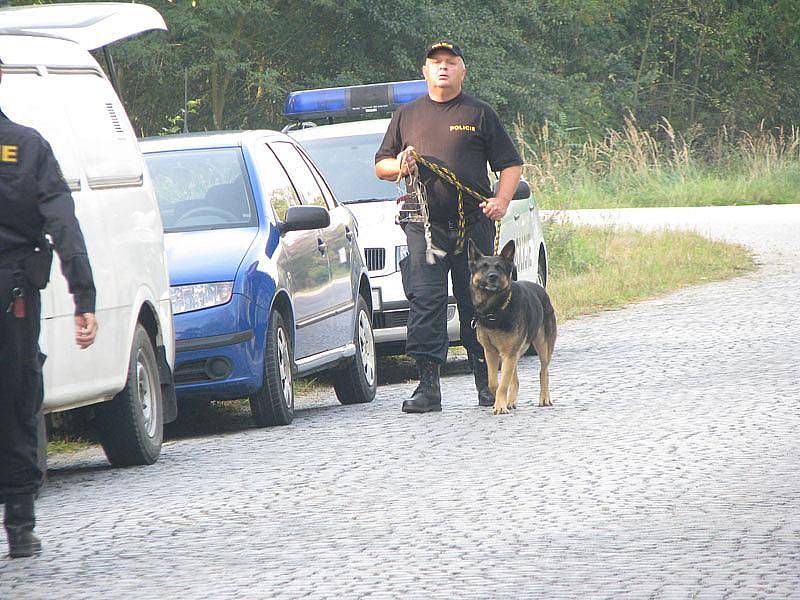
{"points": [[345, 153]]}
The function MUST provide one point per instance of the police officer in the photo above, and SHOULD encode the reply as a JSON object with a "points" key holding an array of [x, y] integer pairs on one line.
{"points": [[34, 200], [451, 129]]}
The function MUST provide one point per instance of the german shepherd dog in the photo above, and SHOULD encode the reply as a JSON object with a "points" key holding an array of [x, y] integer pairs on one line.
{"points": [[510, 316]]}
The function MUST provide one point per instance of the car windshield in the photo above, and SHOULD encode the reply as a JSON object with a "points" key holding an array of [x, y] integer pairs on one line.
{"points": [[201, 189], [348, 164]]}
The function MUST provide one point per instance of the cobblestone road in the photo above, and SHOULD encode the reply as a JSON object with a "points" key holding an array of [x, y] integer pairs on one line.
{"points": [[668, 468]]}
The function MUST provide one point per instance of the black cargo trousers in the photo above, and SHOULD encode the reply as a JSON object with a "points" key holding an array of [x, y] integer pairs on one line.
{"points": [[21, 388], [425, 286]]}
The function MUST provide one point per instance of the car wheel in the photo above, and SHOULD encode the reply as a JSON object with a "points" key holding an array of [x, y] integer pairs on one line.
{"points": [[541, 278], [273, 404], [131, 426], [357, 382]]}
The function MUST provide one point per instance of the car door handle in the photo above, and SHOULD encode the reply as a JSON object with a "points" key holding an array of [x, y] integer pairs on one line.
{"points": [[321, 246], [348, 234], [531, 207], [516, 217]]}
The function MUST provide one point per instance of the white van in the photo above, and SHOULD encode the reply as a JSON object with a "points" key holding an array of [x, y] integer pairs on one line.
{"points": [[52, 83]]}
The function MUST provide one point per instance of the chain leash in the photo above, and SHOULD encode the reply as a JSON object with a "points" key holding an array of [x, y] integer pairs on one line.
{"points": [[416, 190], [448, 176]]}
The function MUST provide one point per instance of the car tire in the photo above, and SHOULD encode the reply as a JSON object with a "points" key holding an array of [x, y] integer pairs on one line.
{"points": [[541, 277], [131, 426], [357, 381], [273, 403]]}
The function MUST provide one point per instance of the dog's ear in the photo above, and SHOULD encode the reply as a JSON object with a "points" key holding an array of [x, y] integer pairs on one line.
{"points": [[473, 252], [509, 250]]}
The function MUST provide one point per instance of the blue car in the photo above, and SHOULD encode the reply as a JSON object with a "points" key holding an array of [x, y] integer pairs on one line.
{"points": [[267, 281]]}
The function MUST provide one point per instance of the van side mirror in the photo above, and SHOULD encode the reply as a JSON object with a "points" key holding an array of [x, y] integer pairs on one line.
{"points": [[522, 192], [302, 218]]}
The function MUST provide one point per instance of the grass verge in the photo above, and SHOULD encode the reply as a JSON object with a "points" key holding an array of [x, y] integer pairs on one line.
{"points": [[637, 167], [695, 186], [594, 269]]}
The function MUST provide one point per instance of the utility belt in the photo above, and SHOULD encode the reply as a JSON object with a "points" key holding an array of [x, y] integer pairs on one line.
{"points": [[33, 261], [452, 224]]}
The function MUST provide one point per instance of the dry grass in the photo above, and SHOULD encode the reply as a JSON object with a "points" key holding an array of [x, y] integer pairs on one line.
{"points": [[594, 269], [660, 167]]}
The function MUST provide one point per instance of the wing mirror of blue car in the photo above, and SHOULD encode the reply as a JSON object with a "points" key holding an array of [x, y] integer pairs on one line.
{"points": [[522, 192], [301, 218]]}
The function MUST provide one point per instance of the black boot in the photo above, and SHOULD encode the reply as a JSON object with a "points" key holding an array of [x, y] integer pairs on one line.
{"points": [[428, 395], [19, 522], [485, 395]]}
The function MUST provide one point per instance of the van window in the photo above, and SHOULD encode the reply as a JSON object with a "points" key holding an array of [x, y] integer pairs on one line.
{"points": [[202, 189], [100, 128], [275, 182], [27, 98], [307, 186]]}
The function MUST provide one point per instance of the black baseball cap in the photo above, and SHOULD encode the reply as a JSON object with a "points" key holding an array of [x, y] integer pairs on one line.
{"points": [[443, 45]]}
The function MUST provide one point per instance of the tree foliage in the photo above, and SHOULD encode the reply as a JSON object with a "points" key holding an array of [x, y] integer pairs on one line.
{"points": [[578, 63]]}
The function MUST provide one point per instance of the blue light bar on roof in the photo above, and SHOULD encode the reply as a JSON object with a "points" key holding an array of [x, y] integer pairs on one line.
{"points": [[315, 101], [354, 100]]}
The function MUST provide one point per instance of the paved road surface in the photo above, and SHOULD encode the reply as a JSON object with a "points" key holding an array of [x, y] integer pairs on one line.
{"points": [[668, 468]]}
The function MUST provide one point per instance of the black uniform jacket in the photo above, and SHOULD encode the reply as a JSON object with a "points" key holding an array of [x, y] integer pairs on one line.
{"points": [[35, 199]]}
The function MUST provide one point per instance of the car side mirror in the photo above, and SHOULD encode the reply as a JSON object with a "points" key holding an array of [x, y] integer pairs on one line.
{"points": [[302, 218], [522, 192]]}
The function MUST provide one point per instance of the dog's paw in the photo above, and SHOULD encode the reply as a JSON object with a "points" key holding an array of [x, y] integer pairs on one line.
{"points": [[500, 410]]}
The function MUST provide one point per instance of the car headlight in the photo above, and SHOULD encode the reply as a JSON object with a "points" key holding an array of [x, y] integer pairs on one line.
{"points": [[400, 252], [200, 295]]}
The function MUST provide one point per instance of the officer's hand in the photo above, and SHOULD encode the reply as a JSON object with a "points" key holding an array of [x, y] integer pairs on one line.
{"points": [[494, 208], [407, 164], [85, 330]]}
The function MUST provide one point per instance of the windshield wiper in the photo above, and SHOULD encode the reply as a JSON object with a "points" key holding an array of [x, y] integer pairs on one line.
{"points": [[364, 200]]}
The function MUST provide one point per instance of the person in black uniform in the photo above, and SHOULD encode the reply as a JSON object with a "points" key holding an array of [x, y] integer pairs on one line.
{"points": [[34, 200], [449, 128]]}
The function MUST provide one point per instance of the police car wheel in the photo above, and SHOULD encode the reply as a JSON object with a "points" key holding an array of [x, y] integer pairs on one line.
{"points": [[131, 426], [273, 404], [357, 381]]}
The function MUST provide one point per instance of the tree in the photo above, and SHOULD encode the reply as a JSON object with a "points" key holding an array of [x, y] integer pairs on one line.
{"points": [[586, 63]]}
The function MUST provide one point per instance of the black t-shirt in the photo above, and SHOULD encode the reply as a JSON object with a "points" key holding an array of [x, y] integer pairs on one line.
{"points": [[462, 134]]}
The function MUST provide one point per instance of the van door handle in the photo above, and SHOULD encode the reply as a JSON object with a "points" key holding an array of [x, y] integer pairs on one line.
{"points": [[321, 246], [348, 234], [531, 207], [516, 217]]}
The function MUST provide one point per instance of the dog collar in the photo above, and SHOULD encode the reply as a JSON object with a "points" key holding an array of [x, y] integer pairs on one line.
{"points": [[492, 316]]}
